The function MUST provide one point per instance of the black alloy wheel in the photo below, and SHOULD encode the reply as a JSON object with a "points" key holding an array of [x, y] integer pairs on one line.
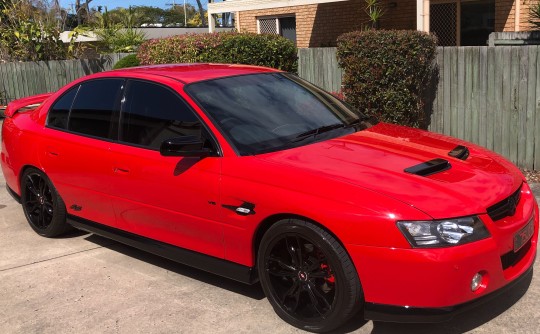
{"points": [[307, 276], [301, 277], [42, 206]]}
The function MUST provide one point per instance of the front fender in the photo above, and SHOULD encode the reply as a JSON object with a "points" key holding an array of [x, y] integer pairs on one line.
{"points": [[353, 214]]}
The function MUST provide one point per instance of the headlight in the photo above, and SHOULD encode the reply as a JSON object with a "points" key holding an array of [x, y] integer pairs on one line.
{"points": [[443, 233]]}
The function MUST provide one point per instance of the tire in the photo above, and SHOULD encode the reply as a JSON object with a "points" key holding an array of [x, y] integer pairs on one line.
{"points": [[307, 276], [43, 208]]}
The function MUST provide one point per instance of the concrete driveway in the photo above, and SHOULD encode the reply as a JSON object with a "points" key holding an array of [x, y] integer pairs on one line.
{"points": [[83, 283]]}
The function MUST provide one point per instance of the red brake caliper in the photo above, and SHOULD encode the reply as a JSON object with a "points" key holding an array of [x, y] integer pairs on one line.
{"points": [[330, 278]]}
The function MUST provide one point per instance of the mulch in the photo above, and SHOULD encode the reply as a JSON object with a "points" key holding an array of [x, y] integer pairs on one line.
{"points": [[533, 176]]}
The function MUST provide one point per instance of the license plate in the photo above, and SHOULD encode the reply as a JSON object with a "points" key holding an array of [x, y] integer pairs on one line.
{"points": [[523, 235]]}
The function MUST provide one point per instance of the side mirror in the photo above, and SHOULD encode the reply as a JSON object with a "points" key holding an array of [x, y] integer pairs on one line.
{"points": [[186, 146]]}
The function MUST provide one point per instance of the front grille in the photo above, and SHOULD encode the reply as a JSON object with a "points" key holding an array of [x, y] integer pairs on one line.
{"points": [[506, 207], [510, 259]]}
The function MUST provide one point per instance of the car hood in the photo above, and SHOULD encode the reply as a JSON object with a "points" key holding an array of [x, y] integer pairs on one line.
{"points": [[375, 159]]}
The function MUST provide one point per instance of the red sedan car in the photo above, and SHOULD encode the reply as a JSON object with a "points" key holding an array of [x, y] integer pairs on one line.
{"points": [[257, 175]]}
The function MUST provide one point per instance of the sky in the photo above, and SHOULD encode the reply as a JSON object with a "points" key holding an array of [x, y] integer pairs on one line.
{"points": [[111, 4]]}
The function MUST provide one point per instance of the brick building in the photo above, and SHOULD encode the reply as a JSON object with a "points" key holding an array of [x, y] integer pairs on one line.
{"points": [[316, 23]]}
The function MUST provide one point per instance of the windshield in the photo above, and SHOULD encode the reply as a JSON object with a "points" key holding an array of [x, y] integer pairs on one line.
{"points": [[267, 112]]}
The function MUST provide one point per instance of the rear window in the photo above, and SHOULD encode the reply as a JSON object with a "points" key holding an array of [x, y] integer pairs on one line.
{"points": [[95, 105], [59, 113]]}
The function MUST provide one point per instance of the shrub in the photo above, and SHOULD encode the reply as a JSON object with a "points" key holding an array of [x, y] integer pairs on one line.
{"points": [[227, 47], [385, 72], [127, 61]]}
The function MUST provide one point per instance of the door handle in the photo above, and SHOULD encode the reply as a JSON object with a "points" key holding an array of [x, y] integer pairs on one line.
{"points": [[51, 151], [121, 170]]}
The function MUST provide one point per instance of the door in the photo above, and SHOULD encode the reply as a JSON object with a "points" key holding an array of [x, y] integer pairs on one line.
{"points": [[170, 199], [477, 22], [288, 28], [462, 23], [75, 148], [443, 22]]}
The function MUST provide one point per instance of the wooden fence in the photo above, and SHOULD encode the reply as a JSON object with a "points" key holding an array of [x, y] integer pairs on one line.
{"points": [[486, 95], [29, 78], [319, 66]]}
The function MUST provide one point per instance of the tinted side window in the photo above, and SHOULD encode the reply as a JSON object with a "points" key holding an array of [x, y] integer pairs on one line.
{"points": [[94, 107], [58, 115], [152, 114]]}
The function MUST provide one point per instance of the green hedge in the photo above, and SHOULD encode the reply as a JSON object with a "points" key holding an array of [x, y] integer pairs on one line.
{"points": [[127, 61], [385, 72], [226, 47]]}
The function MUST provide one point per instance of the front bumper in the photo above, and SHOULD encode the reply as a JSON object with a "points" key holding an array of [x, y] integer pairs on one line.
{"points": [[390, 313], [432, 285]]}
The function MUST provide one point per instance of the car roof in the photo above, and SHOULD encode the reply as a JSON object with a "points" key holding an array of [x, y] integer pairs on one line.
{"points": [[188, 73]]}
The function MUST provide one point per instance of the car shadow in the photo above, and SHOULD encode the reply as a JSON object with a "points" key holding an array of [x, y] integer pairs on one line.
{"points": [[252, 291], [461, 323], [72, 233], [185, 164]]}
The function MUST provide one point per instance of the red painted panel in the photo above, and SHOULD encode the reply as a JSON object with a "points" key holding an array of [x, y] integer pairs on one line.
{"points": [[171, 199]]}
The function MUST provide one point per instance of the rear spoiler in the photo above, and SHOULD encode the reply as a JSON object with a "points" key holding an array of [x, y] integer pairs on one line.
{"points": [[25, 104]]}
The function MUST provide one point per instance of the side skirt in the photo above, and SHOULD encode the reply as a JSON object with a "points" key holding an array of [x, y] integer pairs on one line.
{"points": [[200, 261]]}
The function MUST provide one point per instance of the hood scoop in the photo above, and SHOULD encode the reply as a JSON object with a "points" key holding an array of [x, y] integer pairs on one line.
{"points": [[429, 167], [459, 152]]}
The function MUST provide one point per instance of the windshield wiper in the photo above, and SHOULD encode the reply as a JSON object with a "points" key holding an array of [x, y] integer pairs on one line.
{"points": [[318, 131], [305, 135]]}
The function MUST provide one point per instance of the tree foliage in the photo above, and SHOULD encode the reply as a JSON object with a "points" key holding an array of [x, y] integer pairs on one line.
{"points": [[30, 31], [195, 20], [120, 36], [83, 11], [534, 15], [148, 15]]}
